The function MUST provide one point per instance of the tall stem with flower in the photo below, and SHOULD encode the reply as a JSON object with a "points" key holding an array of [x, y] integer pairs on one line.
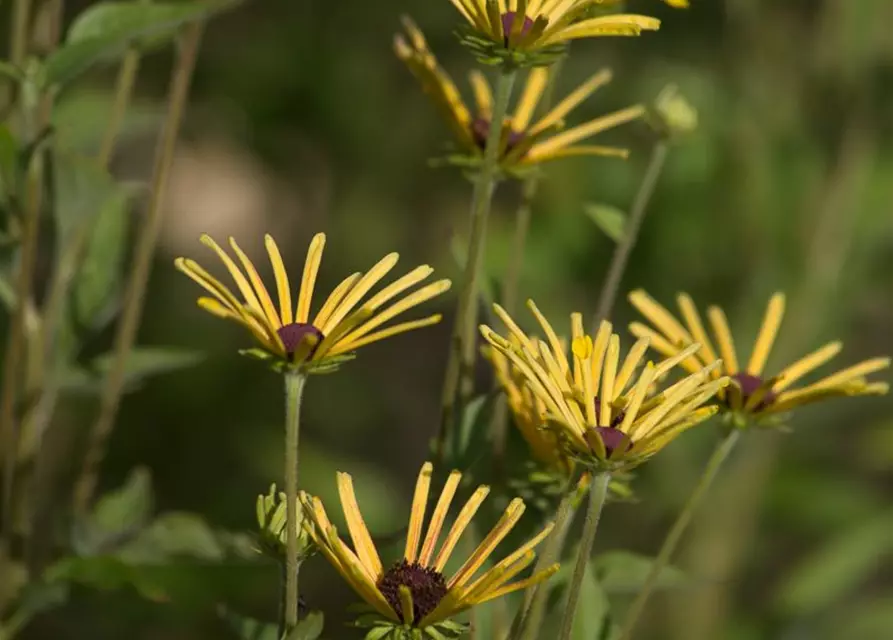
{"points": [[460, 364]]}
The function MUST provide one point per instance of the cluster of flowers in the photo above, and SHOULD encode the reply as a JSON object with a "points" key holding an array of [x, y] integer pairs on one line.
{"points": [[582, 406]]}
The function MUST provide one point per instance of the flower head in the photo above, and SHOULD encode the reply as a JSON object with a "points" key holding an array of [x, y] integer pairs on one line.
{"points": [[414, 592], [525, 142], [536, 32], [271, 521], [752, 393], [344, 323], [606, 418]]}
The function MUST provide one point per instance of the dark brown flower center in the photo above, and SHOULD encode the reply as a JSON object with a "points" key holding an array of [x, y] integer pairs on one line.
{"points": [[426, 585], [749, 385], [480, 131], [508, 21], [293, 334]]}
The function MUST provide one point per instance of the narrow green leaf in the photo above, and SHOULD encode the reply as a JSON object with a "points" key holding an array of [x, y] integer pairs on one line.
{"points": [[378, 633], [249, 628], [173, 534], [835, 569], [117, 515], [98, 280], [142, 363], [310, 628], [625, 572], [105, 30], [610, 220]]}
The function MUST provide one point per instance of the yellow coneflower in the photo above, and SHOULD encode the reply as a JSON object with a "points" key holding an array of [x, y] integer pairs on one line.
{"points": [[524, 143], [608, 418], [344, 323], [528, 412], [752, 392], [414, 592], [521, 32]]}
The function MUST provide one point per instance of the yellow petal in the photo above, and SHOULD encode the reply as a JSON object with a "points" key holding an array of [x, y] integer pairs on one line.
{"points": [[766, 336], [530, 97], [335, 299], [724, 337], [266, 302], [615, 25], [376, 273], [629, 365], [417, 514], [790, 374], [439, 517], [610, 371], [552, 145], [483, 97], [556, 115], [344, 346], [462, 521], [508, 520], [696, 327], [308, 278], [359, 533], [660, 317], [554, 342], [281, 276], [240, 280]]}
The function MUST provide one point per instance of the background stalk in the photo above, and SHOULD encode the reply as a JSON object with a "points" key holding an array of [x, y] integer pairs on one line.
{"points": [[460, 363], [533, 607], [598, 490], [671, 542], [294, 391], [142, 263], [622, 251]]}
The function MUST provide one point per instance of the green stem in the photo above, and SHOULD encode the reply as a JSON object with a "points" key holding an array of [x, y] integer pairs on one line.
{"points": [[294, 391], [20, 32], [142, 264], [460, 364], [722, 451], [598, 489], [624, 248], [533, 608], [124, 90]]}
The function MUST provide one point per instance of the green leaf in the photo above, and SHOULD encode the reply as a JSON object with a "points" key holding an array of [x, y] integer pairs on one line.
{"points": [[378, 633], [105, 30], [98, 280], [468, 441], [840, 566], [170, 535], [9, 163], [310, 628], [593, 618], [142, 363], [249, 628], [625, 572], [82, 188], [106, 573], [610, 220], [118, 514]]}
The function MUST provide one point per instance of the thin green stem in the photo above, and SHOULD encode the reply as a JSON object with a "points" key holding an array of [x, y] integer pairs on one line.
{"points": [[460, 364], [142, 264], [533, 607], [20, 31], [598, 490], [722, 451], [294, 391], [622, 251], [124, 90]]}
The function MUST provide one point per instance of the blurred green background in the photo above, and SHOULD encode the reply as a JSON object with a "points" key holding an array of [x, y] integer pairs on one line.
{"points": [[302, 120]]}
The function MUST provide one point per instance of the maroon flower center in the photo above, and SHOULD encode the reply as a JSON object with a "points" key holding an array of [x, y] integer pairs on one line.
{"points": [[508, 21], [612, 439], [293, 334], [480, 131], [749, 385], [426, 585]]}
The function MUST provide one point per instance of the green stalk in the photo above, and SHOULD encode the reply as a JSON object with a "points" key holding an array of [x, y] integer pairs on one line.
{"points": [[533, 607], [124, 90], [294, 391], [722, 451], [598, 490], [142, 264], [624, 248], [460, 364]]}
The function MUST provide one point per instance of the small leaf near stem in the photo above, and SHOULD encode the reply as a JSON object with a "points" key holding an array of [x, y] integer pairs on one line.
{"points": [[598, 490], [294, 391], [460, 363], [722, 451], [624, 248]]}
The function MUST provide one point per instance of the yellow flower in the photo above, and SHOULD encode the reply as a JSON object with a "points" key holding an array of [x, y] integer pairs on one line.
{"points": [[343, 323], [528, 412], [753, 393], [524, 143], [414, 592], [607, 418], [520, 32]]}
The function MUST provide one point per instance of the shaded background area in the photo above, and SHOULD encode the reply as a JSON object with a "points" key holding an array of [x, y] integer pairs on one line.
{"points": [[302, 121]]}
